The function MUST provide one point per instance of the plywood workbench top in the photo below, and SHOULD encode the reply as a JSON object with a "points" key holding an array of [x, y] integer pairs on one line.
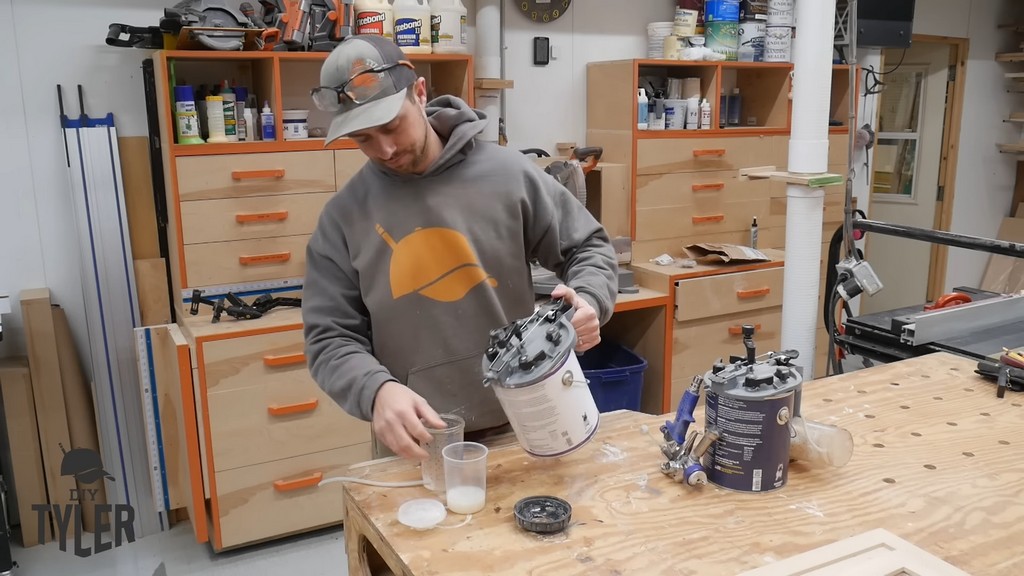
{"points": [[937, 461]]}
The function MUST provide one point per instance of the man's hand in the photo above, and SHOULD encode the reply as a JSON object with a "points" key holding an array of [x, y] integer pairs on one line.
{"points": [[584, 319], [397, 414]]}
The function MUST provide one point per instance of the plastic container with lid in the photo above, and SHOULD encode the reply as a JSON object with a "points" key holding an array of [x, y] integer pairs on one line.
{"points": [[448, 27], [374, 17], [295, 124]]}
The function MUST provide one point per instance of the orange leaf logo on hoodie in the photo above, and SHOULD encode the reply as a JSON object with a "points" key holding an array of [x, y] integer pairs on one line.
{"points": [[435, 262]]}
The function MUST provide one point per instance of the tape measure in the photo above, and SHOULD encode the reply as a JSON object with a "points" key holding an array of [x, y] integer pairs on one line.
{"points": [[151, 412], [247, 289]]}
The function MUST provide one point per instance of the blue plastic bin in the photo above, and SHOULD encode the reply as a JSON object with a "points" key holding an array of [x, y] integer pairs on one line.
{"points": [[616, 376]]}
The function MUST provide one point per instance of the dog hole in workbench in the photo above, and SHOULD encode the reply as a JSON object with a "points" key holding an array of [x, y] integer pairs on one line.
{"points": [[869, 416], [930, 466], [1004, 442], [862, 391], [894, 383], [985, 414], [925, 376], [879, 445], [916, 434], [969, 454], [905, 407], [826, 400], [968, 389], [889, 480], [1015, 405], [950, 423], [936, 397]]}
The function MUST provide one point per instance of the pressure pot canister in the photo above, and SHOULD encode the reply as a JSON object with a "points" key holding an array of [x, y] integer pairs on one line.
{"points": [[535, 374], [752, 453]]}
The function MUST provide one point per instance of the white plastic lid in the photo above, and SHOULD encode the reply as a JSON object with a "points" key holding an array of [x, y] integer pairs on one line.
{"points": [[422, 513]]}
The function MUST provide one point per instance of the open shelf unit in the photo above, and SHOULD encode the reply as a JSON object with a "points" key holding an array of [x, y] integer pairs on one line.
{"points": [[1014, 85], [283, 80]]}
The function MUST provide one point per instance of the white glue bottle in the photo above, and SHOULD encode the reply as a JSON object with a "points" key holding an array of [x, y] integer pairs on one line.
{"points": [[705, 115], [267, 122], [374, 17], [448, 27], [692, 113], [412, 26], [641, 109]]}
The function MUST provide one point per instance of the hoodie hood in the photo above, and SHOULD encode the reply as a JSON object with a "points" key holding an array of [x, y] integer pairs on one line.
{"points": [[457, 124]]}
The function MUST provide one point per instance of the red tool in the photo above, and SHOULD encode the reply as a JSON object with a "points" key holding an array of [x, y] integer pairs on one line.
{"points": [[949, 300]]}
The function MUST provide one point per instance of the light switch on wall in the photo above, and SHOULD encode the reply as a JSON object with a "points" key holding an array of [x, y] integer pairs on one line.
{"points": [[555, 52]]}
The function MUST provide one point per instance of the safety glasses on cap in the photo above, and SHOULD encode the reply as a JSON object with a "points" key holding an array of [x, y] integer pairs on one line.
{"points": [[361, 87]]}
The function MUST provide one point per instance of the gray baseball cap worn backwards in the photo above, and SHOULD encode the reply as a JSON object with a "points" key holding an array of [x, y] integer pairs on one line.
{"points": [[363, 81]]}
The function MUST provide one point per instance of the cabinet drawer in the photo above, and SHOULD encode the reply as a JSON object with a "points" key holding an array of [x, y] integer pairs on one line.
{"points": [[247, 361], [707, 191], [666, 156], [240, 175], [278, 419], [698, 344], [679, 221], [346, 164], [728, 293], [248, 218], [282, 497], [245, 260], [839, 150]]}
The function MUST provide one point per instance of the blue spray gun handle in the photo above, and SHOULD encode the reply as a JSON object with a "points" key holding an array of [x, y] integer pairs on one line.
{"points": [[676, 430]]}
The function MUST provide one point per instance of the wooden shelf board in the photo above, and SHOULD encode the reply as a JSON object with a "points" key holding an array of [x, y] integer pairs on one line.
{"points": [[296, 56], [664, 134], [811, 180], [1010, 57], [1015, 75], [493, 84], [260, 146], [1017, 148]]}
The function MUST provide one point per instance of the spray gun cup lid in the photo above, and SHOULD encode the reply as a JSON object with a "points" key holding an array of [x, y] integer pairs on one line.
{"points": [[543, 514]]}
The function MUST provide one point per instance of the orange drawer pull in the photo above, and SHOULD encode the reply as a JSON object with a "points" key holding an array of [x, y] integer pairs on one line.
{"points": [[738, 330], [299, 483], [284, 359], [256, 174], [262, 217], [712, 218], [712, 186], [712, 152], [274, 258], [744, 294], [299, 408]]}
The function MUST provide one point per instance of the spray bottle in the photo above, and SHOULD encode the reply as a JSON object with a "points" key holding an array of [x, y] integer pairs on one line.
{"points": [[753, 234]]}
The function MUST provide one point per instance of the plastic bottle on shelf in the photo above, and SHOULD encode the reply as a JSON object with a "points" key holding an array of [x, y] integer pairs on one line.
{"points": [[412, 26], [267, 122], [187, 120], [448, 27], [735, 104], [641, 109], [705, 115], [692, 113], [374, 17], [230, 122], [215, 119]]}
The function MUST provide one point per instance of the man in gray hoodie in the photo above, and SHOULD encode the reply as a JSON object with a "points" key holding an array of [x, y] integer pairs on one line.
{"points": [[427, 249]]}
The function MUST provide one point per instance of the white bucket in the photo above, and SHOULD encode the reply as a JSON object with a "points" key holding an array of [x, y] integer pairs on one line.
{"points": [[778, 44], [554, 416]]}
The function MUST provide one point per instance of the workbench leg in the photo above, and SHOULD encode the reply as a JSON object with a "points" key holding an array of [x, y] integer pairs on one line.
{"points": [[367, 553]]}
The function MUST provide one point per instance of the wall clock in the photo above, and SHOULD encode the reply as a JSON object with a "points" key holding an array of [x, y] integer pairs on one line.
{"points": [[543, 11]]}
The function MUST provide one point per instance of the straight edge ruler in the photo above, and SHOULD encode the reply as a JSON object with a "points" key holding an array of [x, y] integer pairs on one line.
{"points": [[151, 411], [246, 289]]}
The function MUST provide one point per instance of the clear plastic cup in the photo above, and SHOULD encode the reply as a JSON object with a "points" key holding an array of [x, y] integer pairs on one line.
{"points": [[433, 466], [820, 444], [465, 470]]}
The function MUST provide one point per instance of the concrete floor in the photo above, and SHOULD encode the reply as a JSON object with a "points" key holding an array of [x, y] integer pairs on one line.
{"points": [[176, 553]]}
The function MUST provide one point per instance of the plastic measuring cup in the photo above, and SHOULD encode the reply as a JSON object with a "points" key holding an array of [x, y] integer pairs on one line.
{"points": [[465, 470], [433, 466]]}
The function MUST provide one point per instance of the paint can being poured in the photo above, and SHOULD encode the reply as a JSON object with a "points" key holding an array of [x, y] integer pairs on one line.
{"points": [[532, 368]]}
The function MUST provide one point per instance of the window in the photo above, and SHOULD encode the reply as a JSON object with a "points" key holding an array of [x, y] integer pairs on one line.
{"points": [[896, 148]]}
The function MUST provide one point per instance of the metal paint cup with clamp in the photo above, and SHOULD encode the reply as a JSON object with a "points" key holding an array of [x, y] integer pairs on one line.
{"points": [[533, 369], [748, 409]]}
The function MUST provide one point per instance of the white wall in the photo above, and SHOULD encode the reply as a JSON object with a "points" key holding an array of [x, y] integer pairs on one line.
{"points": [[37, 226], [549, 103], [985, 178]]}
